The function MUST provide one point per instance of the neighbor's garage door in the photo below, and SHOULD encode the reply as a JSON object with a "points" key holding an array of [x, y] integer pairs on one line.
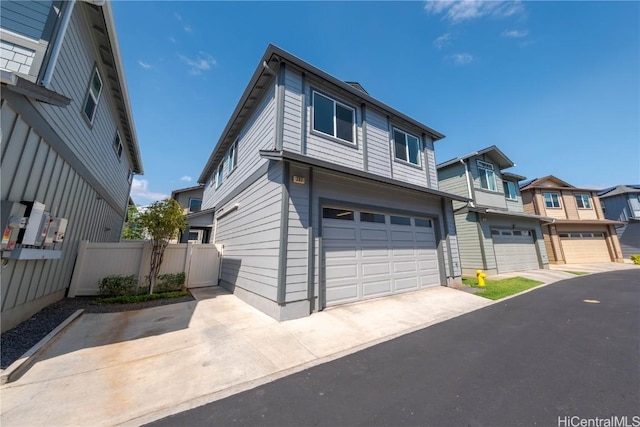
{"points": [[584, 247], [370, 254], [515, 250]]}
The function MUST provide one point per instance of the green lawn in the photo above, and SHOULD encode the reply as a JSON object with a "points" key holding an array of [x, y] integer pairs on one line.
{"points": [[496, 289]]}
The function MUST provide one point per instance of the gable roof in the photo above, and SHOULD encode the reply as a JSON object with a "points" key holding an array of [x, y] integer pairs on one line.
{"points": [[266, 70], [184, 190], [494, 152], [619, 189], [540, 182]]}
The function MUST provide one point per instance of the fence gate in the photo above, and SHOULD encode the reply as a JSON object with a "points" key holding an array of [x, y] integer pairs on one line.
{"points": [[204, 266]]}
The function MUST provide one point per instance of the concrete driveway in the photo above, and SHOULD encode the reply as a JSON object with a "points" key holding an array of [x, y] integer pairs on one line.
{"points": [[135, 367]]}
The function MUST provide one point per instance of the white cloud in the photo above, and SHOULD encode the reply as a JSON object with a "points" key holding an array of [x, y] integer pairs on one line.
{"points": [[515, 34], [443, 40], [172, 40], [144, 64], [202, 62], [140, 190], [461, 58], [186, 178], [465, 10], [186, 27]]}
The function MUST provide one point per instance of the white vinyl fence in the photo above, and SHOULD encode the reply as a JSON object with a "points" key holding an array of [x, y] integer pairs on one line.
{"points": [[200, 263]]}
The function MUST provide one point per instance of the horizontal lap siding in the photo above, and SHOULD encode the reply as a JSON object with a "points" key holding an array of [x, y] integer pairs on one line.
{"points": [[378, 144], [27, 18], [292, 111], [92, 144], [452, 179], [487, 197], [515, 206], [468, 241], [327, 149], [453, 241], [32, 170], [257, 134], [298, 238], [251, 237], [431, 164]]}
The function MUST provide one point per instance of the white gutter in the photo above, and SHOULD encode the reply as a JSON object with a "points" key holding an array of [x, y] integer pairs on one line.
{"points": [[466, 175], [57, 44]]}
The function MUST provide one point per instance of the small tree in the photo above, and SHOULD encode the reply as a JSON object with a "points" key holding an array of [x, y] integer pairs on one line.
{"points": [[132, 229], [161, 220]]}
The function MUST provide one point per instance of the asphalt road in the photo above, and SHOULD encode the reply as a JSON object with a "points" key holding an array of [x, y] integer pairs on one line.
{"points": [[522, 362]]}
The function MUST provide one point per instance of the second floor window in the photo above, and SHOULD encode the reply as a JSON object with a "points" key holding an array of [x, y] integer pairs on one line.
{"points": [[117, 145], [583, 201], [93, 96], [219, 174], [407, 147], [232, 157], [552, 200], [195, 205], [333, 118], [510, 190], [487, 177]]}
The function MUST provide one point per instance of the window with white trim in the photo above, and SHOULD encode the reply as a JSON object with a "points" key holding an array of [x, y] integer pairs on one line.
{"points": [[407, 147], [220, 174], [583, 201], [333, 118], [552, 200], [93, 96], [117, 145], [510, 190], [232, 157], [194, 204], [487, 176], [129, 176]]}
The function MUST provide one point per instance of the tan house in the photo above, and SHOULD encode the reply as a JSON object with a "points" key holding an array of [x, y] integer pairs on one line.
{"points": [[580, 232]]}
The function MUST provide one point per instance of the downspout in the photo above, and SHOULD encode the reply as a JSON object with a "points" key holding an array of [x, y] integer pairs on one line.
{"points": [[57, 44], [466, 175]]}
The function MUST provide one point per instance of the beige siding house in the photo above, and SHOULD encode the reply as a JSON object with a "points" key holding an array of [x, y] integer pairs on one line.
{"points": [[580, 233], [199, 221]]}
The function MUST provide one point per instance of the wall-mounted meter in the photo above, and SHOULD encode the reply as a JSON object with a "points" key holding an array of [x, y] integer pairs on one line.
{"points": [[55, 233], [37, 225], [13, 220]]}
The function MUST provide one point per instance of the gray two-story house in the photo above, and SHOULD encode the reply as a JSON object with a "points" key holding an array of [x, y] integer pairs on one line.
{"points": [[323, 195], [69, 144], [494, 233], [622, 203]]}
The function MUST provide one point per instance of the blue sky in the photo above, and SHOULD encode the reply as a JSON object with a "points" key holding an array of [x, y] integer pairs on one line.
{"points": [[555, 85]]}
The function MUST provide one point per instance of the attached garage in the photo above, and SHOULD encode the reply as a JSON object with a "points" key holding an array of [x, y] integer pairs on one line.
{"points": [[515, 250], [580, 247], [369, 254]]}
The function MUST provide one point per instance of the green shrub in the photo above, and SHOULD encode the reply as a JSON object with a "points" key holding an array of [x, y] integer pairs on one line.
{"points": [[113, 286], [635, 258], [131, 299], [170, 282]]}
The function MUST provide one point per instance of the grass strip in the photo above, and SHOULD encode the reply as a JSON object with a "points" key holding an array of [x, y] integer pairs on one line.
{"points": [[496, 289]]}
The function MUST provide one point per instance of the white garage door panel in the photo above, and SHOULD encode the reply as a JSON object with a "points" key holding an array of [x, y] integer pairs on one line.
{"points": [[372, 259], [377, 288]]}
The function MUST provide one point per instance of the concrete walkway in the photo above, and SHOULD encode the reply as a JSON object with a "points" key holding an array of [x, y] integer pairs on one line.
{"points": [[135, 367]]}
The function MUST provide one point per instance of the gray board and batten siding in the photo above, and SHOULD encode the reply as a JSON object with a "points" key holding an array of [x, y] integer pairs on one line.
{"points": [[53, 155]]}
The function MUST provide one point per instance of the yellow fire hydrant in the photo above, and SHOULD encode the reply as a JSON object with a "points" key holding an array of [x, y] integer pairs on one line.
{"points": [[480, 276]]}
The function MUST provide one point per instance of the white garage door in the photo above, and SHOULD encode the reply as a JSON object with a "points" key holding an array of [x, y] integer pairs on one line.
{"points": [[584, 247], [515, 250], [370, 254]]}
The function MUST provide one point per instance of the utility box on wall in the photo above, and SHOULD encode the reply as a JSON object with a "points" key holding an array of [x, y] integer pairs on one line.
{"points": [[30, 232]]}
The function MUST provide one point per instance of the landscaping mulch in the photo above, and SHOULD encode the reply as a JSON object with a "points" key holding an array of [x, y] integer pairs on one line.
{"points": [[17, 341]]}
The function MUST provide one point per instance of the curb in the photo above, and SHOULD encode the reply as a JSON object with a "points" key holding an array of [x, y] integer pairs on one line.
{"points": [[20, 366]]}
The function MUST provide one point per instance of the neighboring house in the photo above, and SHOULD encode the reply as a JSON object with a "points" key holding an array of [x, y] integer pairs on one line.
{"points": [[622, 203], [494, 232], [68, 142], [198, 221], [324, 195], [580, 233]]}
